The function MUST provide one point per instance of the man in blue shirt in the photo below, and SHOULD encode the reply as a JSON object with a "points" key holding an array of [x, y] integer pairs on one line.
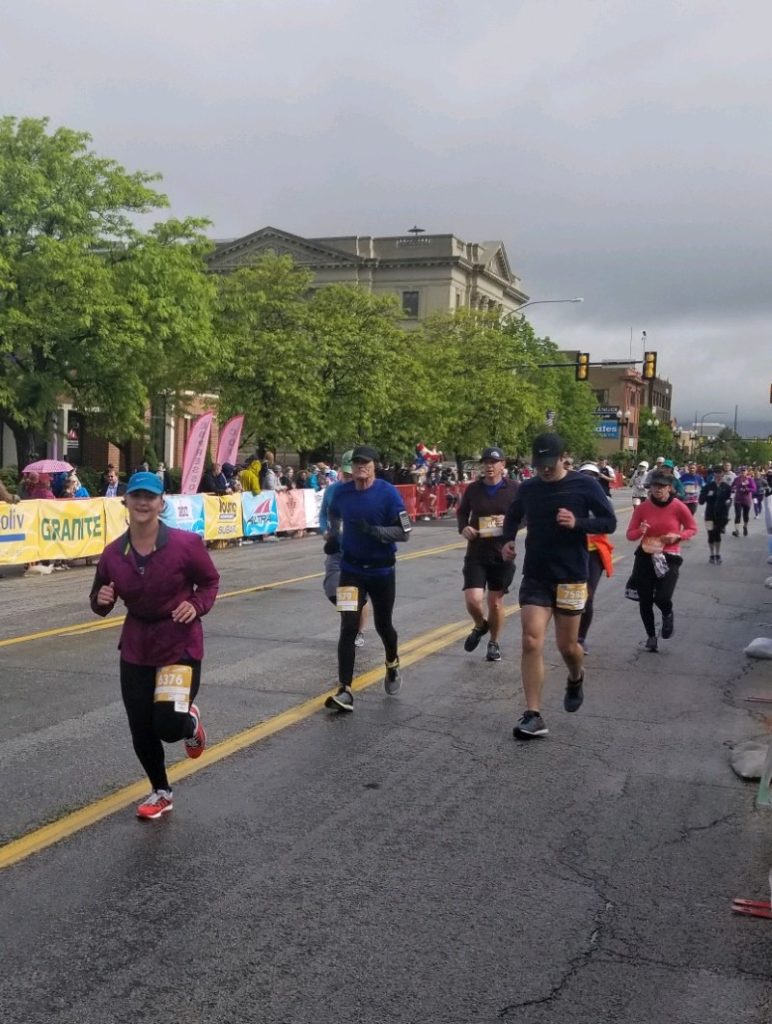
{"points": [[560, 507], [368, 517]]}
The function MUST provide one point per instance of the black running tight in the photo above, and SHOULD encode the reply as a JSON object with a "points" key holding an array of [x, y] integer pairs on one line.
{"points": [[654, 590], [154, 723], [381, 590], [741, 510]]}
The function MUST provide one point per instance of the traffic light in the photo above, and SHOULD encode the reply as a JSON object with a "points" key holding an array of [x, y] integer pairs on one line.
{"points": [[582, 365], [649, 365]]}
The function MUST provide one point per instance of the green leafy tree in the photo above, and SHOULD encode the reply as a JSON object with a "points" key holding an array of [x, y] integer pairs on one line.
{"points": [[655, 438], [487, 387], [271, 364], [94, 311], [571, 403]]}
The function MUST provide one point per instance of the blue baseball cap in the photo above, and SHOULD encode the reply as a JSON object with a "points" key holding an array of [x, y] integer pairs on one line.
{"points": [[144, 482]]}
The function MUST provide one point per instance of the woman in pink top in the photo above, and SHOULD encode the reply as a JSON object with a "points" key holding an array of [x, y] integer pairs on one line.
{"points": [[660, 523]]}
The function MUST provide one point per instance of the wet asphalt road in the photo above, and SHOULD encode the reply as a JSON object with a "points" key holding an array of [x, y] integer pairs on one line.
{"points": [[410, 862]]}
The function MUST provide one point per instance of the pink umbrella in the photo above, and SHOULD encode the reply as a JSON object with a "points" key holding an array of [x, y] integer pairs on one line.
{"points": [[48, 466]]}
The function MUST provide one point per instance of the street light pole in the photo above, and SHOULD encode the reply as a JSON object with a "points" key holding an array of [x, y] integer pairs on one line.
{"points": [[713, 412], [539, 302]]}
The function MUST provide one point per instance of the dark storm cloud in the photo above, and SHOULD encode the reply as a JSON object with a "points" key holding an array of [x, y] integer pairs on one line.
{"points": [[622, 151]]}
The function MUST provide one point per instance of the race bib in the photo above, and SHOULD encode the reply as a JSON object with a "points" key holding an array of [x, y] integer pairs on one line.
{"points": [[653, 545], [491, 526], [571, 597], [172, 683], [691, 489], [347, 599]]}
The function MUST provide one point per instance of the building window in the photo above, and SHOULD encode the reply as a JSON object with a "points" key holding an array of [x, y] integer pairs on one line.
{"points": [[601, 397], [410, 304]]}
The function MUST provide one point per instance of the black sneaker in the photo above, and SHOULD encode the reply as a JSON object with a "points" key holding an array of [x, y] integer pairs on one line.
{"points": [[667, 626], [651, 644], [574, 695], [478, 632], [735, 533], [719, 560], [530, 727], [494, 651], [392, 681], [343, 700], [712, 560]]}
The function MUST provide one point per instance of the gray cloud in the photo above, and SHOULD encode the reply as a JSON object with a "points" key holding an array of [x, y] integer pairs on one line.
{"points": [[621, 150]]}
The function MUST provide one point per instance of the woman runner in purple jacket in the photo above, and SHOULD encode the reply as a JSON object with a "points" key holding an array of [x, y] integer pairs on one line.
{"points": [[167, 581]]}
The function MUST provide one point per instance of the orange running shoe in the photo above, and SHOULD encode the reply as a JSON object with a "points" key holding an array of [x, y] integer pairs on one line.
{"points": [[195, 746], [156, 805]]}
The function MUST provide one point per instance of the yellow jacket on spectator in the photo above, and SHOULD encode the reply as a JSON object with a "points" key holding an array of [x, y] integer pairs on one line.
{"points": [[250, 477]]}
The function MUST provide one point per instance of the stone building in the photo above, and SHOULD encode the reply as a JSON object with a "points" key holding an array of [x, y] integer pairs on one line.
{"points": [[428, 273]]}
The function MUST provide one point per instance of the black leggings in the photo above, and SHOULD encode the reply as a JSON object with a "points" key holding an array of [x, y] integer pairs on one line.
{"points": [[593, 578], [741, 510], [653, 589], [715, 529], [381, 590], [152, 722]]}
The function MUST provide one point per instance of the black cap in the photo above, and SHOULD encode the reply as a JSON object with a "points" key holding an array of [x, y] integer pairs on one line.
{"points": [[494, 454], [364, 453], [658, 477], [547, 449]]}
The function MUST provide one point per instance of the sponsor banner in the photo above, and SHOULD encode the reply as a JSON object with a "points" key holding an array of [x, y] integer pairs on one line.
{"points": [[608, 428], [313, 502], [18, 533], [292, 510], [230, 439], [195, 453], [116, 519], [222, 517], [259, 513], [185, 512], [71, 529]]}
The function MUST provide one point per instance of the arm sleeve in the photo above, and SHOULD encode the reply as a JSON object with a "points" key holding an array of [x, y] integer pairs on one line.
{"points": [[603, 518], [687, 521], [205, 577], [513, 519], [634, 531], [395, 533], [100, 580], [464, 508]]}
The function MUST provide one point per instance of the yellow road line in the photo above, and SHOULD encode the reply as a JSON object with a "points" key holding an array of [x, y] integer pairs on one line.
{"points": [[94, 627], [412, 651]]}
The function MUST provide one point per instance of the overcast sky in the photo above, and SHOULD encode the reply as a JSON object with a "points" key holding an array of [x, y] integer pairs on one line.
{"points": [[622, 150]]}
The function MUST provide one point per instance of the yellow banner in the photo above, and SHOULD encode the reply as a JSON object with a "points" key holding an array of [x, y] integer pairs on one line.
{"points": [[222, 517], [116, 519], [71, 529], [19, 533]]}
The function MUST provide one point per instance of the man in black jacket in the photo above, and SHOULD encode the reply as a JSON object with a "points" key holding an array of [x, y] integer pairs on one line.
{"points": [[481, 521], [561, 507]]}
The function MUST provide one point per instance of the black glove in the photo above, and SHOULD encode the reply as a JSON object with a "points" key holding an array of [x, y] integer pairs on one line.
{"points": [[364, 527], [331, 546]]}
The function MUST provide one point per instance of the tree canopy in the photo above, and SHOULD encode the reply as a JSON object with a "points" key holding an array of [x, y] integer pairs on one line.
{"points": [[94, 310]]}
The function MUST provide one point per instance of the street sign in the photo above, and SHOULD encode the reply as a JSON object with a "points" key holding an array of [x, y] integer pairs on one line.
{"points": [[606, 410], [608, 428]]}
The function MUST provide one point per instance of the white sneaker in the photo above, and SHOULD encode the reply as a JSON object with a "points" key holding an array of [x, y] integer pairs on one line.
{"points": [[359, 640]]}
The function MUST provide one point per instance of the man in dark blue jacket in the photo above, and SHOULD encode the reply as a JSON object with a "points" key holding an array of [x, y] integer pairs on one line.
{"points": [[367, 518]]}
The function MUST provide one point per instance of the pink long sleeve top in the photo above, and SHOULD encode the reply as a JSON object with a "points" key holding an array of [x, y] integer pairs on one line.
{"points": [[674, 517]]}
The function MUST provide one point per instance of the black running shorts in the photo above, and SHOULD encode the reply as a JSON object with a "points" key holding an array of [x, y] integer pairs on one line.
{"points": [[545, 595], [496, 576]]}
